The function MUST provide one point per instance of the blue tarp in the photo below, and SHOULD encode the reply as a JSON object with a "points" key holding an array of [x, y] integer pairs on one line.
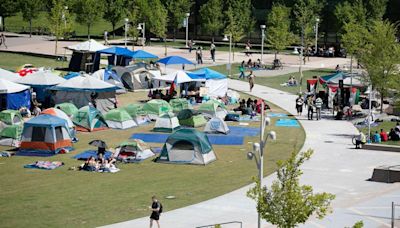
{"points": [[91, 153], [214, 139], [46, 120], [71, 75], [287, 123], [207, 74], [17, 100], [174, 60], [117, 51], [140, 54]]}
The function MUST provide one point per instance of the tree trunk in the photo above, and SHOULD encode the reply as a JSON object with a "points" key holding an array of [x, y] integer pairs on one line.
{"points": [[174, 34], [165, 46], [3, 28], [55, 51], [113, 26], [233, 52], [30, 27], [88, 31]]}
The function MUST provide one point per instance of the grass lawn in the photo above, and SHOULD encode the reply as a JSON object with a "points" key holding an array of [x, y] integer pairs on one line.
{"points": [[12, 61], [386, 126], [63, 198]]}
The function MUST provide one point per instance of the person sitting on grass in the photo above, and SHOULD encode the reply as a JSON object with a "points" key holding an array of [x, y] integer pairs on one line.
{"points": [[360, 140], [90, 164], [384, 136], [377, 137], [392, 135]]}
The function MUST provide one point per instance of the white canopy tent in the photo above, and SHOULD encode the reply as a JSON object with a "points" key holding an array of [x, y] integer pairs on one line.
{"points": [[87, 46], [8, 75], [41, 78]]}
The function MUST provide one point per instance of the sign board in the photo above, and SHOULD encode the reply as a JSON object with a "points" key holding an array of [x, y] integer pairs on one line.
{"points": [[184, 23]]}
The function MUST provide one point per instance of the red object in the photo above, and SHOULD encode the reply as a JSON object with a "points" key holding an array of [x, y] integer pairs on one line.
{"points": [[333, 88], [172, 89], [384, 136], [26, 71]]}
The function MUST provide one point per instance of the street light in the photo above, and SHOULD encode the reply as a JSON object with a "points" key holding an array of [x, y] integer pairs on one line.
{"points": [[230, 50], [316, 35], [142, 27], [126, 30], [258, 148], [63, 17], [262, 41], [187, 28]]}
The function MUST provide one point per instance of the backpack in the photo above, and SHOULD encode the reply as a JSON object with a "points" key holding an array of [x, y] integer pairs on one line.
{"points": [[161, 208]]}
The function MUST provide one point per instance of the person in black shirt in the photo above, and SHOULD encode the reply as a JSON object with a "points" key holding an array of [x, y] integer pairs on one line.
{"points": [[155, 212]]}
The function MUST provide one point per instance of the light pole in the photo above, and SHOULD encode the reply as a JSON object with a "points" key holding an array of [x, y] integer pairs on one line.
{"points": [[230, 50], [64, 17], [258, 148], [262, 41], [301, 59], [316, 35], [142, 27], [187, 28], [126, 30]]}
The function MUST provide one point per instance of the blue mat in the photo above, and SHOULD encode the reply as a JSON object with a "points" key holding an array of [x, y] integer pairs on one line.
{"points": [[287, 123], [243, 131], [88, 153], [34, 154], [214, 139], [273, 114]]}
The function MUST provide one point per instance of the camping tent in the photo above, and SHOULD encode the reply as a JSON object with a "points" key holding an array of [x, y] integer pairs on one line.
{"points": [[191, 118], [213, 108], [119, 119], [82, 90], [110, 76], [13, 95], [11, 135], [216, 82], [11, 117], [8, 75], [138, 78], [133, 151], [166, 123], [179, 104], [137, 113], [40, 81], [69, 108], [118, 56], [83, 55], [60, 114], [156, 108], [178, 77], [187, 146], [89, 118], [45, 134], [216, 125]]}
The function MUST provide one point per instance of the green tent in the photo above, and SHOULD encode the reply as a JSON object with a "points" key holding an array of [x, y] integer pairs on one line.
{"points": [[134, 110], [89, 118], [191, 118], [166, 123], [188, 146], [119, 119], [156, 108], [11, 117], [179, 104], [69, 108], [213, 108], [13, 132]]}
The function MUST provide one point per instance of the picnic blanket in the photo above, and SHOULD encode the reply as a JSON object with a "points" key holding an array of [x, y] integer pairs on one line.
{"points": [[287, 123], [47, 165], [91, 153]]}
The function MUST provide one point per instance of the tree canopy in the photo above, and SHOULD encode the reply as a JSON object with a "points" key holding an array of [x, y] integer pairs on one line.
{"points": [[211, 17], [177, 10], [115, 10], [88, 12], [29, 9]]}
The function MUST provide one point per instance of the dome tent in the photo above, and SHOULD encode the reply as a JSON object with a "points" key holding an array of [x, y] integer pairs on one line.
{"points": [[89, 118], [166, 123], [216, 125], [11, 117], [179, 104], [187, 146], [191, 118], [133, 151], [68, 108], [137, 113], [10, 127], [119, 119], [213, 108], [156, 108]]}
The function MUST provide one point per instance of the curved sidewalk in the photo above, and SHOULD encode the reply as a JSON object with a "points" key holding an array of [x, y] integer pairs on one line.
{"points": [[335, 167]]}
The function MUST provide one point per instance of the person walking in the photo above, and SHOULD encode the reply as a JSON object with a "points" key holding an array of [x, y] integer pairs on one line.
{"points": [[3, 40], [199, 55], [105, 37], [251, 80], [156, 209], [299, 105], [248, 47], [318, 106], [191, 45], [310, 105], [212, 51], [241, 70]]}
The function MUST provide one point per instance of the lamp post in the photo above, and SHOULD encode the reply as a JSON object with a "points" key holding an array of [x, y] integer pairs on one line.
{"points": [[262, 41], [126, 30], [64, 17], [301, 59], [316, 35], [230, 50], [142, 27], [187, 28], [258, 148]]}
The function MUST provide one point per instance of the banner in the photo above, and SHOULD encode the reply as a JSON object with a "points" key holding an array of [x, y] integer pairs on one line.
{"points": [[332, 92]]}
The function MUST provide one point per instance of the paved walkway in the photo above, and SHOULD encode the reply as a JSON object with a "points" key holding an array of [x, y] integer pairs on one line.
{"points": [[335, 167]]}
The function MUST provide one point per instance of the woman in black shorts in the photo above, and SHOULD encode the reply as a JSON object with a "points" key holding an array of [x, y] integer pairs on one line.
{"points": [[155, 212]]}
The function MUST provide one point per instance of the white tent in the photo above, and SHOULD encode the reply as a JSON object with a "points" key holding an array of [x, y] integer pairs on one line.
{"points": [[216, 125], [166, 123], [178, 77], [8, 75], [11, 87], [112, 79], [87, 46], [41, 78]]}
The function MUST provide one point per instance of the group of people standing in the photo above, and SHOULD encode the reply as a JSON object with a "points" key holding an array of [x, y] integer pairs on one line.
{"points": [[199, 51], [312, 103]]}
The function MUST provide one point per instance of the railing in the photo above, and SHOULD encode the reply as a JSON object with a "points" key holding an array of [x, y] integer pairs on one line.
{"points": [[224, 223]]}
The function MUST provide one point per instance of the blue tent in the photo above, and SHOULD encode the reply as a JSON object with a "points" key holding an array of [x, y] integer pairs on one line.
{"points": [[119, 57], [140, 54], [206, 74], [174, 60], [117, 51]]}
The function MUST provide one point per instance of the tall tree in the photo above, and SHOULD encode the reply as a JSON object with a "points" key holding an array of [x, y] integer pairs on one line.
{"points": [[351, 12], [177, 10], [8, 8], [211, 17], [381, 56], [133, 15], [287, 203], [59, 20], [88, 12], [238, 17], [114, 11], [376, 9], [29, 9], [278, 25]]}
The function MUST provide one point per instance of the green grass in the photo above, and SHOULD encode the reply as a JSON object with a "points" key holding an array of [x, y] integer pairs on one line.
{"points": [[12, 61], [386, 126], [63, 198]]}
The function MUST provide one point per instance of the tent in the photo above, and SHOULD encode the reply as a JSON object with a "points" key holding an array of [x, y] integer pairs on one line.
{"points": [[140, 54], [133, 151], [118, 56], [137, 113], [69, 108], [174, 60], [179, 104], [156, 108], [138, 78], [83, 55], [191, 118], [216, 82], [13, 95], [82, 90], [89, 118], [119, 119], [110, 76], [11, 135], [40, 81], [216, 125], [60, 114], [166, 123], [187, 146], [213, 108], [177, 77], [8, 75], [45, 134], [11, 117]]}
